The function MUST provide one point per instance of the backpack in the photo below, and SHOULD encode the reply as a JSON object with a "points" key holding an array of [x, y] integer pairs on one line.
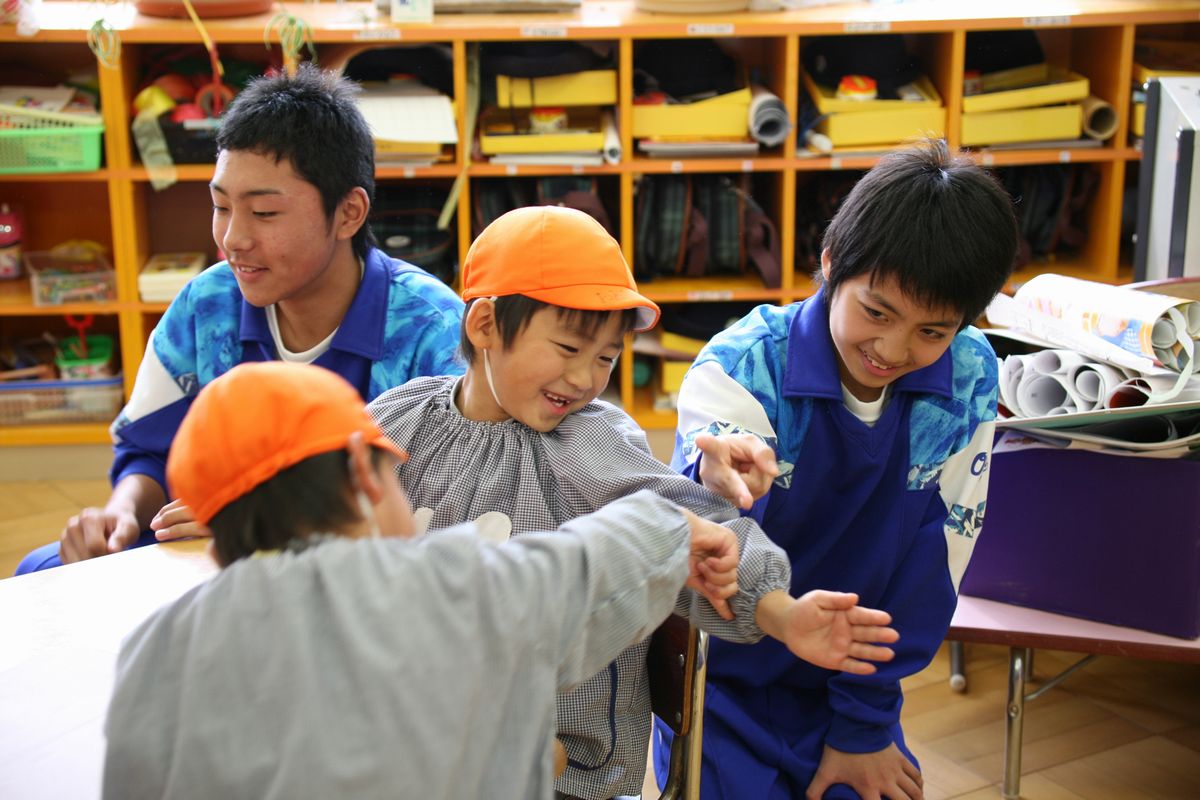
{"points": [[496, 197], [405, 225], [695, 225]]}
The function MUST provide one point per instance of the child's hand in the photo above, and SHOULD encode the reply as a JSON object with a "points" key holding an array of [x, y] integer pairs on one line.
{"points": [[886, 773], [713, 563], [95, 532], [738, 466], [176, 521], [827, 629]]}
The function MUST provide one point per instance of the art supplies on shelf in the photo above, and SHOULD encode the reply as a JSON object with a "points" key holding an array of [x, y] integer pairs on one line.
{"points": [[70, 278], [165, 274]]}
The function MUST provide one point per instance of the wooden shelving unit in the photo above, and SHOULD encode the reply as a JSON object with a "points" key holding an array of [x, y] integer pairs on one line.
{"points": [[116, 205]]}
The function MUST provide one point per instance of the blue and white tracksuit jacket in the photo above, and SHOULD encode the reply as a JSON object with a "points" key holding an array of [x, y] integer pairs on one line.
{"points": [[890, 511], [402, 323]]}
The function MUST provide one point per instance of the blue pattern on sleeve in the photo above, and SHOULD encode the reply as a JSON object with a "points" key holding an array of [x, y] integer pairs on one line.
{"points": [[198, 337], [941, 426]]}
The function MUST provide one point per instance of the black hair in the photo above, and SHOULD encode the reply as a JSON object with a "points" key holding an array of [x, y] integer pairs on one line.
{"points": [[941, 226], [311, 120], [311, 497], [513, 312]]}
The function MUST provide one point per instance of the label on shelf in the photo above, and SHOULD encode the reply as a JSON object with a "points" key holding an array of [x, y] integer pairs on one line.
{"points": [[377, 35], [835, 162], [710, 29], [1064, 156], [676, 167], [576, 169], [710, 294], [544, 31], [867, 27], [988, 159], [747, 165], [410, 172], [510, 169], [1047, 22]]}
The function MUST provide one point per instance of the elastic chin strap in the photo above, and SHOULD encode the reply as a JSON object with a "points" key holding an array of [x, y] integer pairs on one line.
{"points": [[487, 371], [368, 512]]}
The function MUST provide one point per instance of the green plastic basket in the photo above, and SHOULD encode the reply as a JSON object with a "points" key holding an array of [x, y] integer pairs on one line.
{"points": [[45, 142]]}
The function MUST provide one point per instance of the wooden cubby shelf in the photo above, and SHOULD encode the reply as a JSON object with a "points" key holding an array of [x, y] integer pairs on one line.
{"points": [[117, 206]]}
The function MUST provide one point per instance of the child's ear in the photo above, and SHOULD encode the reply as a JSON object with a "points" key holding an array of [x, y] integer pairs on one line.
{"points": [[351, 213], [825, 262], [480, 327], [362, 476]]}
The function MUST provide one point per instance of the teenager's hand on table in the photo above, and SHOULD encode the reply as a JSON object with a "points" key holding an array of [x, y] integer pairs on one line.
{"points": [[828, 629], [883, 774], [175, 521], [97, 532], [712, 567], [738, 466]]}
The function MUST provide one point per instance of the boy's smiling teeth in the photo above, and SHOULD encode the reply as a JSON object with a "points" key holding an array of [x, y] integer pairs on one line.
{"points": [[875, 363], [556, 399]]}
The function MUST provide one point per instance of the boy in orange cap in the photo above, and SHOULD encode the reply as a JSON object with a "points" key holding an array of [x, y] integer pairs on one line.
{"points": [[323, 661], [520, 443]]}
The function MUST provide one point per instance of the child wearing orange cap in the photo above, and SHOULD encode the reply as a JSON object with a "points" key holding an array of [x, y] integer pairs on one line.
{"points": [[325, 661], [520, 443]]}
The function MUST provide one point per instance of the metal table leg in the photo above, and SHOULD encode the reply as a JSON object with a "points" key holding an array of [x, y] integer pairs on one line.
{"points": [[1018, 657], [958, 672]]}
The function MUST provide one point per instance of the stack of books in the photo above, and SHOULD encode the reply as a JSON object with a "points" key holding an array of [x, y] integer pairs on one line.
{"points": [[166, 273]]}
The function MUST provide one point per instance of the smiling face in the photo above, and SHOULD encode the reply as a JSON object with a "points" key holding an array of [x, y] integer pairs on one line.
{"points": [[551, 369], [881, 334], [274, 231]]}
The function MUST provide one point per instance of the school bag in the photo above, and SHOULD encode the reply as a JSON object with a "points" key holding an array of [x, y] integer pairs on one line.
{"points": [[696, 225], [496, 197]]}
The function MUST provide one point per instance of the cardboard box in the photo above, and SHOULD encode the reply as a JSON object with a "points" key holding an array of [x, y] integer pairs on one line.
{"points": [[1052, 85], [590, 88], [1103, 537], [726, 115], [1049, 123], [508, 131]]}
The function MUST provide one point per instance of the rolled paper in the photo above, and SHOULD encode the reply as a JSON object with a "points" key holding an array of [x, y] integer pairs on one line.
{"points": [[769, 123], [1099, 118]]}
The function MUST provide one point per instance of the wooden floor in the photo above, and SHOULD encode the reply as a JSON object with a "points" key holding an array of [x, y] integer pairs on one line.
{"points": [[1120, 729]]}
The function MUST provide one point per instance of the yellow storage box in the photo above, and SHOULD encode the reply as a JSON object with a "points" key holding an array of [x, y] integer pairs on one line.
{"points": [[827, 101], [726, 115], [591, 88], [1048, 123], [850, 123], [508, 131], [1047, 86]]}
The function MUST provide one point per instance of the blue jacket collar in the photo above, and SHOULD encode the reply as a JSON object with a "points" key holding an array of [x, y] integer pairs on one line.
{"points": [[362, 329], [812, 362]]}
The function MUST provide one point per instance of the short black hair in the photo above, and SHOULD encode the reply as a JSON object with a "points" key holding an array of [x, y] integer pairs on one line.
{"points": [[311, 497], [941, 226], [513, 312], [311, 120]]}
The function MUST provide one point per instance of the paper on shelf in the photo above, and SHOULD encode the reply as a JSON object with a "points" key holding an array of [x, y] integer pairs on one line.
{"points": [[404, 115]]}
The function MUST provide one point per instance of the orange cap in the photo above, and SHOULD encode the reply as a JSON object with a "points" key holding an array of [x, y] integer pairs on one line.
{"points": [[257, 420], [556, 255]]}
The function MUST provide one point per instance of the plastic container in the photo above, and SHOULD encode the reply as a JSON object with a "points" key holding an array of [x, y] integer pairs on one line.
{"points": [[56, 280], [54, 402], [41, 141], [74, 366]]}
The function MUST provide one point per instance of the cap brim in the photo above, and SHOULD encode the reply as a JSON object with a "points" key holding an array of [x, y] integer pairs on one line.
{"points": [[384, 443], [601, 298]]}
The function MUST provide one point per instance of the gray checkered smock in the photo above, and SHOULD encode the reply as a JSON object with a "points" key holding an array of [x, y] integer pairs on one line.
{"points": [[514, 480]]}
